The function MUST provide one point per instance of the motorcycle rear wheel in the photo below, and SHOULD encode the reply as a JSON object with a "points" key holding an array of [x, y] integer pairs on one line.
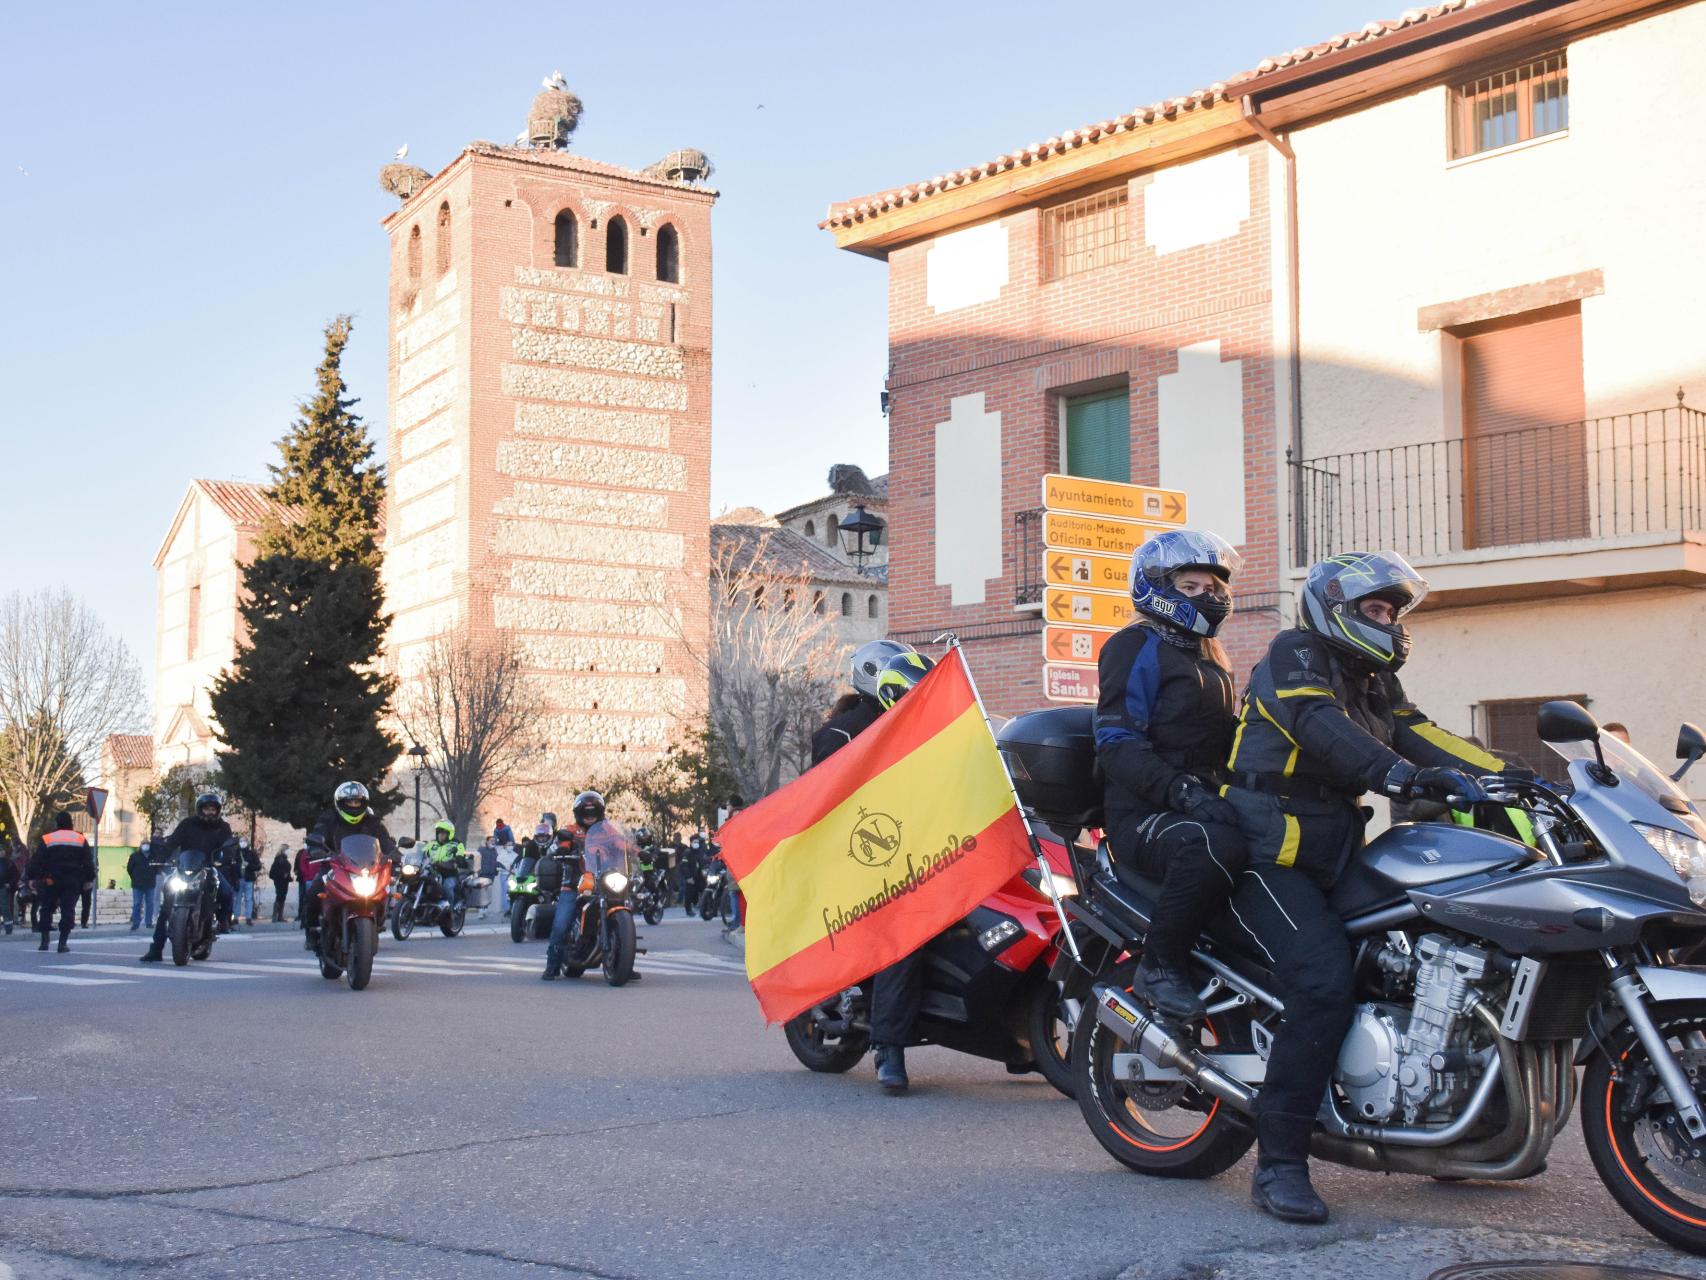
{"points": [[403, 923], [517, 921], [361, 947], [654, 913], [451, 922], [619, 959], [180, 935], [1655, 1178], [1193, 1136], [815, 1051], [1050, 1037]]}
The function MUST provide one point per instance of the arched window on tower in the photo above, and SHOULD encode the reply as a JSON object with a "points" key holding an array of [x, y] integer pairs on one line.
{"points": [[616, 247], [443, 238], [830, 530], [669, 254], [415, 252], [871, 607], [811, 529], [846, 604], [565, 242]]}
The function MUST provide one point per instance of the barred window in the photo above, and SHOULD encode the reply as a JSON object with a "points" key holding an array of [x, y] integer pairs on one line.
{"points": [[1085, 234], [1511, 106], [1512, 730]]}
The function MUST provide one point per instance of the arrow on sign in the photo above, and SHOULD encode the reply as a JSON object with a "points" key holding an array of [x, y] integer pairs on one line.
{"points": [[1059, 566], [1060, 646], [1060, 606], [1175, 508]]}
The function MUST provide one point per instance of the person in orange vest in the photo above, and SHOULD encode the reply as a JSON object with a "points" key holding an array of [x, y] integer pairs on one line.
{"points": [[62, 868]]}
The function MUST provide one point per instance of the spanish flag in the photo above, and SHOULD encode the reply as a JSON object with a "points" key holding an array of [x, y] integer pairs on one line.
{"points": [[865, 857]]}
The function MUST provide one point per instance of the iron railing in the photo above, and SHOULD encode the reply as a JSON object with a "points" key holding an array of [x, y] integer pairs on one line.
{"points": [[1602, 478], [1028, 557]]}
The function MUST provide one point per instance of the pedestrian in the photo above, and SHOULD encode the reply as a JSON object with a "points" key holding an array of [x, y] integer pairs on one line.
{"points": [[29, 902], [279, 874], [87, 899], [488, 871], [501, 834], [144, 886], [1617, 729], [503, 856], [9, 877], [251, 873], [304, 873], [62, 869]]}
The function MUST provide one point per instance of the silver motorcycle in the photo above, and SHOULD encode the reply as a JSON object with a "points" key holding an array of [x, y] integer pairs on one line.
{"points": [[1488, 970]]}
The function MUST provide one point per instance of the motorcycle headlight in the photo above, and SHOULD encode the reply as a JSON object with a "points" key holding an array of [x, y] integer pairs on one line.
{"points": [[1064, 886], [177, 884], [1685, 853], [409, 869], [365, 883], [616, 882]]}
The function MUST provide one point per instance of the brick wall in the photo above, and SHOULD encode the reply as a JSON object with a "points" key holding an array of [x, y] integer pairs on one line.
{"points": [[1038, 342]]}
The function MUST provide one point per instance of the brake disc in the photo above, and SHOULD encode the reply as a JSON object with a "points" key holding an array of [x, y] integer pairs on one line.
{"points": [[1664, 1144]]}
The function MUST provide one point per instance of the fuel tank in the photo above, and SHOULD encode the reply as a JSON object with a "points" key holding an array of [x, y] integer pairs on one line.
{"points": [[1416, 855]]}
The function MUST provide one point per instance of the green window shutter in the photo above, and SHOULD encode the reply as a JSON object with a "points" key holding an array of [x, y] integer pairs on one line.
{"points": [[1098, 437]]}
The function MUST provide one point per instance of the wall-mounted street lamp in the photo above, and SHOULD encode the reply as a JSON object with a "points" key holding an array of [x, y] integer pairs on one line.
{"points": [[420, 754], [861, 535]]}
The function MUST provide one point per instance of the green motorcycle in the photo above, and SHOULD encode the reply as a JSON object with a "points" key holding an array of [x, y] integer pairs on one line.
{"points": [[534, 883]]}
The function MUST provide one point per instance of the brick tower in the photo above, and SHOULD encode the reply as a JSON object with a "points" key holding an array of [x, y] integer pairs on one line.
{"points": [[550, 436]]}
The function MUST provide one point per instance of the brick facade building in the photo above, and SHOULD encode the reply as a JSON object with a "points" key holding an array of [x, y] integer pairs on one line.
{"points": [[550, 384]]}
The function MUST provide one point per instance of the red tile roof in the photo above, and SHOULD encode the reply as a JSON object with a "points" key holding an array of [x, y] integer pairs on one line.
{"points": [[131, 750], [247, 504], [858, 210]]}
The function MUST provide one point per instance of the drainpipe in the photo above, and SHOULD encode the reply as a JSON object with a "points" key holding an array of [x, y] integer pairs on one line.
{"points": [[1295, 452]]}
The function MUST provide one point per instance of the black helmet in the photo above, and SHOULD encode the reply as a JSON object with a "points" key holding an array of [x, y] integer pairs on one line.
{"points": [[1160, 559], [209, 800], [567, 835], [589, 808], [351, 801], [898, 675], [1334, 588], [869, 658], [642, 835]]}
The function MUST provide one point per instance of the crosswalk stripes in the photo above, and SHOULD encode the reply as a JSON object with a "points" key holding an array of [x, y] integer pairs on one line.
{"points": [[134, 971], [60, 979]]}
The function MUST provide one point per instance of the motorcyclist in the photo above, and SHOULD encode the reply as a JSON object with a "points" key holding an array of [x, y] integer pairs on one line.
{"points": [[204, 831], [351, 814], [540, 842], [1164, 723], [597, 855], [856, 710], [652, 859], [1323, 720], [446, 856], [694, 855], [898, 990]]}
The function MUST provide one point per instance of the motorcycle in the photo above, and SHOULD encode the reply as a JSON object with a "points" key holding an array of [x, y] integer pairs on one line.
{"points": [[352, 908], [988, 990], [534, 886], [188, 900], [602, 932], [1487, 972], [712, 888], [421, 898]]}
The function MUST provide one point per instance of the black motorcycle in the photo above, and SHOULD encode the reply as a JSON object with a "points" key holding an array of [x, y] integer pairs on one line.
{"points": [[189, 899], [421, 896], [534, 887], [711, 892]]}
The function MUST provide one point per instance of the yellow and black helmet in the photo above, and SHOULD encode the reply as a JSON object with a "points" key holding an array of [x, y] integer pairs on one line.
{"points": [[898, 675]]}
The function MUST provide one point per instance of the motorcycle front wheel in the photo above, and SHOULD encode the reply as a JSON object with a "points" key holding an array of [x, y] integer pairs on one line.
{"points": [[1051, 1037], [707, 906], [1167, 1129], [654, 913], [619, 956], [363, 940], [451, 922], [403, 923], [818, 1052], [1644, 1158], [517, 921], [180, 935]]}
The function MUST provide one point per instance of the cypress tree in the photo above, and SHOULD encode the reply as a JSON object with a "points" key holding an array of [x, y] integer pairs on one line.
{"points": [[303, 705]]}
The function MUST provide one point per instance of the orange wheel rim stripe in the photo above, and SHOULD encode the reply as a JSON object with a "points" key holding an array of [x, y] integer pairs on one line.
{"points": [[1189, 1138], [1611, 1136]]}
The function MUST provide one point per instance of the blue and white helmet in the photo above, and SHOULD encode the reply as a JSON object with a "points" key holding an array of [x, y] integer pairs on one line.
{"points": [[1159, 559]]}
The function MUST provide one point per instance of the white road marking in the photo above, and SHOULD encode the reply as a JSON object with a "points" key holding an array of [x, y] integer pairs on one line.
{"points": [[135, 971], [69, 982]]}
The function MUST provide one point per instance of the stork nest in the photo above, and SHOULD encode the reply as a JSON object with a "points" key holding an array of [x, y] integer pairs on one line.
{"points": [[687, 164], [403, 180], [552, 118]]}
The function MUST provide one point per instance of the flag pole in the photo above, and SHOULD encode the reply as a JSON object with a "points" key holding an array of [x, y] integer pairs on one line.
{"points": [[952, 640]]}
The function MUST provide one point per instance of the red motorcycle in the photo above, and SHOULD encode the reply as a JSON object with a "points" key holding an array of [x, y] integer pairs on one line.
{"points": [[987, 987], [352, 909]]}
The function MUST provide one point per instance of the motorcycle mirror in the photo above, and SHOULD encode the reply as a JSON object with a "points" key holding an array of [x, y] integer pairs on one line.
{"points": [[407, 842], [315, 840], [1566, 721], [1690, 746]]}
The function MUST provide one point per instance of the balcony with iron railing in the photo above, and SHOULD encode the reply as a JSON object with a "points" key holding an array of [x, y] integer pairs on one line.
{"points": [[1617, 500]]}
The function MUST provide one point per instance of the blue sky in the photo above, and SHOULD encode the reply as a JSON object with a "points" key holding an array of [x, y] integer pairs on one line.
{"points": [[188, 193]]}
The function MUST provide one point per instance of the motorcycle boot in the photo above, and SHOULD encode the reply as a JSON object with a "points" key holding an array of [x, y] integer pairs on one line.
{"points": [[553, 964], [1281, 1185], [891, 1068], [1168, 987], [154, 955]]}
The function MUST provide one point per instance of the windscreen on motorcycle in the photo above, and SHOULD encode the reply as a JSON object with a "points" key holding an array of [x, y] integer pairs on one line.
{"points": [[1632, 767], [192, 860], [415, 857], [608, 848], [360, 851]]}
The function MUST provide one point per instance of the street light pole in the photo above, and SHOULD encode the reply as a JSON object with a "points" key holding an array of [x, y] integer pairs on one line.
{"points": [[419, 753]]}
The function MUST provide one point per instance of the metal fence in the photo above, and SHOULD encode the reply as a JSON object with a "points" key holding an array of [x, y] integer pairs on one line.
{"points": [[1028, 556], [1631, 473]]}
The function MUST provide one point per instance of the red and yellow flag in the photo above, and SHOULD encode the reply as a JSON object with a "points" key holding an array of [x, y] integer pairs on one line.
{"points": [[860, 860]]}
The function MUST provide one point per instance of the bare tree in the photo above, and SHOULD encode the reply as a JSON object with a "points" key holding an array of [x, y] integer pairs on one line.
{"points": [[66, 683], [465, 706], [775, 659]]}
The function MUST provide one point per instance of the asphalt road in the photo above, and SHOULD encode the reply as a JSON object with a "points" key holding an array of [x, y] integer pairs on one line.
{"points": [[461, 1118]]}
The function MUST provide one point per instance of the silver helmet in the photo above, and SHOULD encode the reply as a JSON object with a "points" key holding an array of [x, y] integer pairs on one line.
{"points": [[1337, 585]]}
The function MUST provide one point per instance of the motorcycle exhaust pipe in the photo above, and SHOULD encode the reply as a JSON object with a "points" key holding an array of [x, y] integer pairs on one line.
{"points": [[1133, 1027]]}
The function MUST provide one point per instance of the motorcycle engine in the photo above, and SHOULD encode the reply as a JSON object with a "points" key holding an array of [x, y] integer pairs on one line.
{"points": [[1414, 1060]]}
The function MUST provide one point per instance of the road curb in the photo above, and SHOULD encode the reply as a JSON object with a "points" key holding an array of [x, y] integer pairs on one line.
{"points": [[736, 938]]}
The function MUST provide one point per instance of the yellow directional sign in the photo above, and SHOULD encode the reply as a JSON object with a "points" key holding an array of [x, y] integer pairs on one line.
{"points": [[1069, 608], [1098, 573], [1070, 684], [1073, 644], [1109, 498], [1089, 533]]}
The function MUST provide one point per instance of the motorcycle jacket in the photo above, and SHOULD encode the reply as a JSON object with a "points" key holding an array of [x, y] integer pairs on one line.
{"points": [[449, 858], [202, 837], [63, 858], [839, 730], [1164, 711], [1313, 728], [333, 826]]}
